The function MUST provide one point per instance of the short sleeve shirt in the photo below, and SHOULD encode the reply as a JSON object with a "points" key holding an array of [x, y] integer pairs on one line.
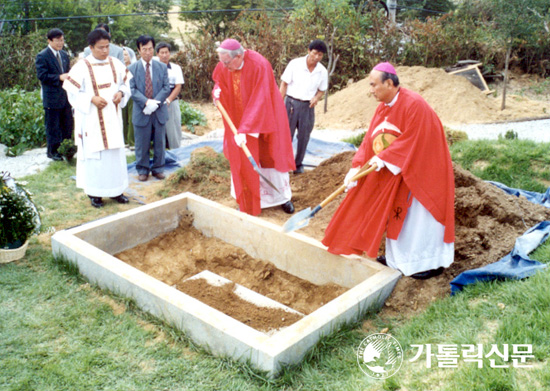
{"points": [[303, 84], [175, 75]]}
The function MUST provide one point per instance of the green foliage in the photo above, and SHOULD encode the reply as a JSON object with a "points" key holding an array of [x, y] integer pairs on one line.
{"points": [[190, 116], [17, 216], [355, 140], [67, 149], [22, 125], [17, 53], [124, 29]]}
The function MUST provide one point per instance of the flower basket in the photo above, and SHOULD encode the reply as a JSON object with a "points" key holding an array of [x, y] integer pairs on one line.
{"points": [[14, 254]]}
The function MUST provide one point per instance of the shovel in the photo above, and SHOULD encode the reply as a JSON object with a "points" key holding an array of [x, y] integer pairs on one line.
{"points": [[243, 146], [301, 219]]}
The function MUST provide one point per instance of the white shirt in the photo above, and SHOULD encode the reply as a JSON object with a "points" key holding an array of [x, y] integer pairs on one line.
{"points": [[175, 75], [303, 84]]}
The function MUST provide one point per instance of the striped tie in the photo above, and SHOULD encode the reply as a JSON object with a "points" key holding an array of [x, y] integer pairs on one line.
{"points": [[148, 84], [59, 61]]}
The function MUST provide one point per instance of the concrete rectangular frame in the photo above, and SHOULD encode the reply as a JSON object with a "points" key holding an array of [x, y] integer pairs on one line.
{"points": [[91, 247]]}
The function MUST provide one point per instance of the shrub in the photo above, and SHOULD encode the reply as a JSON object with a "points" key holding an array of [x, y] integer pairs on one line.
{"points": [[19, 217], [22, 126], [190, 116], [17, 53]]}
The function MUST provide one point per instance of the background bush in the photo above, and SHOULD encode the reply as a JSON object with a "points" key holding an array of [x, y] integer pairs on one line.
{"points": [[22, 120]]}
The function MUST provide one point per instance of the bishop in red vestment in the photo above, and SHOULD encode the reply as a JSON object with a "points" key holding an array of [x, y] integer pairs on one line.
{"points": [[246, 87], [410, 197]]}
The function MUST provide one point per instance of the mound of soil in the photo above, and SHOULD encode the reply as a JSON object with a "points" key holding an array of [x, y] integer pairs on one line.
{"points": [[488, 221], [453, 98]]}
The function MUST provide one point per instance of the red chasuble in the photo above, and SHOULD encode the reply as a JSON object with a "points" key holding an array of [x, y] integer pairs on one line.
{"points": [[254, 103], [409, 135]]}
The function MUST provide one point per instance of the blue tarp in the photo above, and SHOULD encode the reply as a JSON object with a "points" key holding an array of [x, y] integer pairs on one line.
{"points": [[534, 197], [317, 151], [516, 264]]}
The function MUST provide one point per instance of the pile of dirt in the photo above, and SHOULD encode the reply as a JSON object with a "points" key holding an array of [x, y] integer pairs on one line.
{"points": [[488, 221], [453, 98]]}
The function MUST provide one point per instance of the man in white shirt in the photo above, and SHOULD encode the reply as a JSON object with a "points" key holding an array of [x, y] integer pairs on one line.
{"points": [[304, 82], [175, 78], [97, 88]]}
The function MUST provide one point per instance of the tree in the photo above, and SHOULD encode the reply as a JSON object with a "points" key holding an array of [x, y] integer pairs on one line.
{"points": [[515, 23], [214, 16]]}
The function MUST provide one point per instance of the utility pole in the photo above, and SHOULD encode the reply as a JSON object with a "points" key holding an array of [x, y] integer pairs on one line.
{"points": [[392, 8]]}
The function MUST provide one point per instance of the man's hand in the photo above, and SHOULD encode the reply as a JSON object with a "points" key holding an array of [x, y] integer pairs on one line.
{"points": [[152, 104], [314, 101], [347, 180], [240, 138], [63, 76], [379, 162], [117, 98], [99, 102], [216, 92]]}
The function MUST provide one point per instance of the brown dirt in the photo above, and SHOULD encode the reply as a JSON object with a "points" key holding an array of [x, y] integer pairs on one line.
{"points": [[184, 252], [487, 220], [454, 99]]}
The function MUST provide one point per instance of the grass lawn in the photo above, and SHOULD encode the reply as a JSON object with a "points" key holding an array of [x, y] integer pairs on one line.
{"points": [[59, 333]]}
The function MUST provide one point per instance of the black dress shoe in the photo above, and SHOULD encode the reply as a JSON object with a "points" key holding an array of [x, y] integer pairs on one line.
{"points": [[427, 274], [96, 202], [55, 156], [299, 170], [288, 207], [121, 199], [382, 260]]}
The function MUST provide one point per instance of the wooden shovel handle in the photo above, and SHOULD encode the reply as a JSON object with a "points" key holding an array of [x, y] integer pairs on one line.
{"points": [[233, 128], [364, 171]]}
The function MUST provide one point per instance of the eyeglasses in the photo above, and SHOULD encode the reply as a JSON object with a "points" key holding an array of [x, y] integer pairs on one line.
{"points": [[226, 63]]}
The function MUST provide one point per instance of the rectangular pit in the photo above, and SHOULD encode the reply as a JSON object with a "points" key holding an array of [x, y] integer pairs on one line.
{"points": [[91, 247]]}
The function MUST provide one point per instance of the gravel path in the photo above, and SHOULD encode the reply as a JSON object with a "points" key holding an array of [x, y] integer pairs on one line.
{"points": [[31, 162]]}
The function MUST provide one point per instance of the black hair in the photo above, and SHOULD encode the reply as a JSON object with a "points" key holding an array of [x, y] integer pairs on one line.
{"points": [[385, 76], [54, 33], [318, 45], [97, 35], [103, 26], [162, 45], [144, 40]]}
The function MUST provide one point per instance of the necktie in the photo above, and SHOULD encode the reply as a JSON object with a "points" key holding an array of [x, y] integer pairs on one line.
{"points": [[59, 61], [148, 84]]}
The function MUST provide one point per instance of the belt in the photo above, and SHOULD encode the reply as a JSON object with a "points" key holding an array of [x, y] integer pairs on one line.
{"points": [[299, 100]]}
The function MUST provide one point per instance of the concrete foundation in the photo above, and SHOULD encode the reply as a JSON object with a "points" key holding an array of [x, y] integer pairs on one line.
{"points": [[91, 247]]}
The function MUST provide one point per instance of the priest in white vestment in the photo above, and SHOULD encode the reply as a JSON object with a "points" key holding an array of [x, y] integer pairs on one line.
{"points": [[98, 88]]}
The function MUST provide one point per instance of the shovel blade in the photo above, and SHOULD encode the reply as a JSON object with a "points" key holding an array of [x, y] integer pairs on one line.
{"points": [[299, 220]]}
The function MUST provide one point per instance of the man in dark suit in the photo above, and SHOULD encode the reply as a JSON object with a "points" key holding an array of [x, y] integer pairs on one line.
{"points": [[150, 88], [52, 67]]}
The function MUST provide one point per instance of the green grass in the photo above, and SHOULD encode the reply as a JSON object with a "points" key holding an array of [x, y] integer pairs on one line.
{"points": [[519, 164], [59, 333]]}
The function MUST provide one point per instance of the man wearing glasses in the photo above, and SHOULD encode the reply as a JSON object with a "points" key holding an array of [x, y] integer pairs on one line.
{"points": [[246, 87]]}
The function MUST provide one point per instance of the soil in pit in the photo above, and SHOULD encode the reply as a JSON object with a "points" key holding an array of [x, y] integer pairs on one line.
{"points": [[177, 255], [488, 221]]}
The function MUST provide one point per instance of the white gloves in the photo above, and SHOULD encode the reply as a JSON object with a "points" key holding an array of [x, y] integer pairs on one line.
{"points": [[240, 138], [216, 93], [347, 180], [151, 106], [379, 162]]}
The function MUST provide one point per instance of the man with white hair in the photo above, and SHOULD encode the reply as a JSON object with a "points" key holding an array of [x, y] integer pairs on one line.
{"points": [[246, 87], [410, 196]]}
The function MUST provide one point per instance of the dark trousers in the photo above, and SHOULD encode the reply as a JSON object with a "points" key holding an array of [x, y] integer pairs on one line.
{"points": [[301, 117], [59, 126], [143, 136]]}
